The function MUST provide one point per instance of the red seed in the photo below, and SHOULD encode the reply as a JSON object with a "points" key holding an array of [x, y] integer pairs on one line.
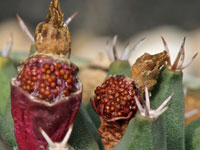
{"points": [[58, 66], [49, 80], [123, 103], [119, 113], [26, 77], [62, 72], [44, 77], [52, 67], [34, 73], [65, 77], [55, 91], [32, 83], [28, 88], [43, 70], [66, 92], [42, 85], [46, 93], [29, 82], [34, 78], [46, 66], [57, 73], [47, 77], [53, 85], [106, 100], [42, 90], [70, 87], [48, 71], [112, 108], [69, 81], [107, 107], [134, 108], [53, 77]]}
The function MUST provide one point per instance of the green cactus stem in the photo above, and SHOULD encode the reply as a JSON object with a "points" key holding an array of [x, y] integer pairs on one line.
{"points": [[170, 80], [3, 144], [146, 130], [120, 65], [192, 138], [84, 135], [7, 71]]}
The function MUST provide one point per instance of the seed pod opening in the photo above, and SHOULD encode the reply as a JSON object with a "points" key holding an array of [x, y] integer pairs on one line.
{"points": [[47, 78], [115, 103], [115, 98]]}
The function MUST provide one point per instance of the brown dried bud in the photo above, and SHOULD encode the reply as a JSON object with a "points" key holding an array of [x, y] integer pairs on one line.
{"points": [[147, 68], [51, 36]]}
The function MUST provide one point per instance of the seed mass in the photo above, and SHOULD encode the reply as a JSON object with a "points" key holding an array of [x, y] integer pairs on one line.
{"points": [[46, 79], [115, 97]]}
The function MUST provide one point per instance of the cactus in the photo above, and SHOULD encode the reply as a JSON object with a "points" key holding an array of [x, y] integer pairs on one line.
{"points": [[169, 81], [120, 65], [7, 71], [84, 126], [145, 131], [122, 102], [192, 138]]}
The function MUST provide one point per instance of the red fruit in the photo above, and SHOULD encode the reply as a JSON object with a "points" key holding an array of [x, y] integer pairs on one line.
{"points": [[115, 98], [40, 71], [47, 92], [115, 104]]}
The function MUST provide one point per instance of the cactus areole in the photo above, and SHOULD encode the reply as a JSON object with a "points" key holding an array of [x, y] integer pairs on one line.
{"points": [[46, 93]]}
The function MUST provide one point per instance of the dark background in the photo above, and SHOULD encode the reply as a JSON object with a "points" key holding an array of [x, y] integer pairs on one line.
{"points": [[109, 17]]}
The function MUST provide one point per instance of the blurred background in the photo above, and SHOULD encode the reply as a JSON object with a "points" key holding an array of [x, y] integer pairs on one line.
{"points": [[99, 20]]}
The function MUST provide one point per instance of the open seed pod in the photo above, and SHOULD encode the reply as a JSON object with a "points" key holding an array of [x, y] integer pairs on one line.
{"points": [[47, 92], [115, 104]]}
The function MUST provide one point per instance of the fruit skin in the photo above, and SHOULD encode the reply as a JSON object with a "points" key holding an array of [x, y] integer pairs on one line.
{"points": [[170, 81], [30, 114], [192, 138], [143, 134]]}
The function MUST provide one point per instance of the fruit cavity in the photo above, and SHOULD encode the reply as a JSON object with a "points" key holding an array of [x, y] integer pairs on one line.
{"points": [[115, 98], [47, 79]]}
